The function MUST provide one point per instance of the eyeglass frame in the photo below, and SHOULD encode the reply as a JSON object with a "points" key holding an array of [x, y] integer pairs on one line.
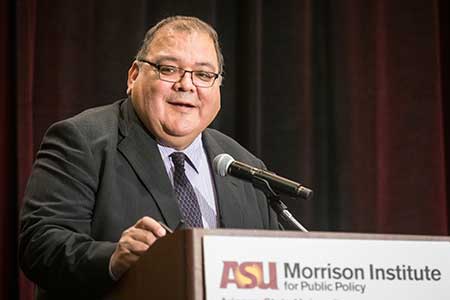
{"points": [[158, 66]]}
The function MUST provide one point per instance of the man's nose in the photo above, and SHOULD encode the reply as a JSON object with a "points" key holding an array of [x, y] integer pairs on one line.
{"points": [[185, 84]]}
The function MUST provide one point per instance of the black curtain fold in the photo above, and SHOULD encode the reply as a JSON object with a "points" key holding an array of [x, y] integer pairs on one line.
{"points": [[8, 174]]}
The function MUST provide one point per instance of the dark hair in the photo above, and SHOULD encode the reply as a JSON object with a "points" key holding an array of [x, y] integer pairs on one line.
{"points": [[182, 23]]}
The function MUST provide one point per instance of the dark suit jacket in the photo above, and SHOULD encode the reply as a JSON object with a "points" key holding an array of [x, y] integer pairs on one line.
{"points": [[95, 175]]}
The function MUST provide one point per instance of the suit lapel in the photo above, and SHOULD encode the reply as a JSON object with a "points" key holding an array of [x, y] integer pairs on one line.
{"points": [[141, 151], [227, 188]]}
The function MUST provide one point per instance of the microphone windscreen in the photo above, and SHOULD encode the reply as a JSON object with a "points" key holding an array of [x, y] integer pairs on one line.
{"points": [[221, 163]]}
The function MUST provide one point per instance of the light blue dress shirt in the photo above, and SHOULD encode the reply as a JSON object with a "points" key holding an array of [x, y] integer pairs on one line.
{"points": [[199, 173]]}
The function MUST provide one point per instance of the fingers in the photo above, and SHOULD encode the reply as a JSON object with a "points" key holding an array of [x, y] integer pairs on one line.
{"points": [[136, 240], [151, 225], [133, 243]]}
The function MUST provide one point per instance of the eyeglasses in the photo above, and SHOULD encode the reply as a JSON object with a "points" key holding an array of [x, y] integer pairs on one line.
{"points": [[202, 79]]}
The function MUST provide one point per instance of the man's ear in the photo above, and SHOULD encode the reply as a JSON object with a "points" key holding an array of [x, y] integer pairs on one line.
{"points": [[133, 73]]}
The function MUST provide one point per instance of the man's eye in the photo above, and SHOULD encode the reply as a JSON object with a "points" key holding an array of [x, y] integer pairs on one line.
{"points": [[167, 70], [206, 76]]}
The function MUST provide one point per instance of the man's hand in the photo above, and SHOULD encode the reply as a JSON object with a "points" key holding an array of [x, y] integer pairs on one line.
{"points": [[134, 242]]}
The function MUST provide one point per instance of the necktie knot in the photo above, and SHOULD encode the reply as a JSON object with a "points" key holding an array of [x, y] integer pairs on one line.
{"points": [[178, 159]]}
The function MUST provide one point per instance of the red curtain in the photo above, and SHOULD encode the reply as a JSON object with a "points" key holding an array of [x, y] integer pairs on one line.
{"points": [[387, 74], [347, 97]]}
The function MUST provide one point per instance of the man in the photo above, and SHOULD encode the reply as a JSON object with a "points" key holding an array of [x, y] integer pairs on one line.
{"points": [[105, 180]]}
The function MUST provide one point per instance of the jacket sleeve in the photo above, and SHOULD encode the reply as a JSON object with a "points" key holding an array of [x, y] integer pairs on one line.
{"points": [[56, 249]]}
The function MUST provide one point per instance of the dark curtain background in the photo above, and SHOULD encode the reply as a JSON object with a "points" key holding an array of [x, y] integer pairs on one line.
{"points": [[348, 97]]}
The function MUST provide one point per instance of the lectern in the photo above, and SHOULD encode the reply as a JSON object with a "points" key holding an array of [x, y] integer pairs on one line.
{"points": [[173, 268]]}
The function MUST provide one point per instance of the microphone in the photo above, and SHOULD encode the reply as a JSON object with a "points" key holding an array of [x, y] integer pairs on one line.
{"points": [[224, 164]]}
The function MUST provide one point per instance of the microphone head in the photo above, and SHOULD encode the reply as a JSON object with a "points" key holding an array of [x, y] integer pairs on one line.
{"points": [[305, 193], [221, 163]]}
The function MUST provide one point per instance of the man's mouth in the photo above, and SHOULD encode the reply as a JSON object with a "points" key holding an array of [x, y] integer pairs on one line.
{"points": [[181, 104]]}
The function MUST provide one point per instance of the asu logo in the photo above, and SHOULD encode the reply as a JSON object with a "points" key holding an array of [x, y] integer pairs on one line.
{"points": [[248, 275]]}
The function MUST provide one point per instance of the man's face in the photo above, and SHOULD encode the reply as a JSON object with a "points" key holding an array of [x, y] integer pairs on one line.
{"points": [[176, 113]]}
